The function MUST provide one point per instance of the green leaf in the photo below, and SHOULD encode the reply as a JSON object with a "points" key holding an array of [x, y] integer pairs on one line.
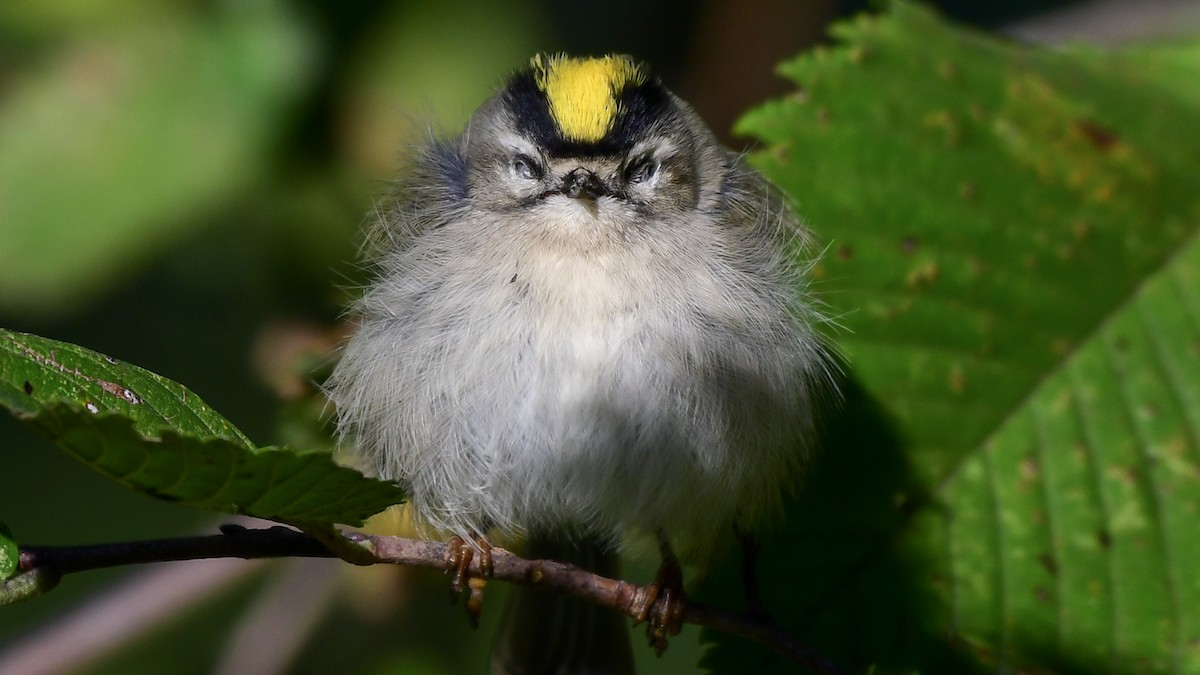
{"points": [[153, 435], [37, 372], [9, 553], [1015, 256]]}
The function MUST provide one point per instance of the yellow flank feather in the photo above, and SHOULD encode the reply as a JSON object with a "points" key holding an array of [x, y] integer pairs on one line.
{"points": [[583, 92]]}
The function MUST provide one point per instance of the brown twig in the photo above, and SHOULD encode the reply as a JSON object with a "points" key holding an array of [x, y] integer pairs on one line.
{"points": [[238, 542]]}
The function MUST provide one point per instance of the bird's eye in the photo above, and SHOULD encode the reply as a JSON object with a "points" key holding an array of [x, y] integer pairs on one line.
{"points": [[641, 170], [526, 167]]}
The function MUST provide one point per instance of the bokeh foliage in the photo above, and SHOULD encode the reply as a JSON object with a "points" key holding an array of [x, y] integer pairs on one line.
{"points": [[162, 116]]}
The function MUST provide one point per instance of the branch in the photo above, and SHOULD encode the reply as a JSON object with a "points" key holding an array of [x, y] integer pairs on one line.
{"points": [[275, 542]]}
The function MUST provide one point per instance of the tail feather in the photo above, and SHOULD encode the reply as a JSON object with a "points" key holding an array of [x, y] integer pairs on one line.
{"points": [[546, 633]]}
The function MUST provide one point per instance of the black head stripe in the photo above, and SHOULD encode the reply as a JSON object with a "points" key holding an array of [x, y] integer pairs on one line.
{"points": [[531, 109]]}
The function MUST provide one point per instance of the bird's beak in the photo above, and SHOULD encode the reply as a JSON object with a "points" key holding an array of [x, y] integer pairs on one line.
{"points": [[582, 183]]}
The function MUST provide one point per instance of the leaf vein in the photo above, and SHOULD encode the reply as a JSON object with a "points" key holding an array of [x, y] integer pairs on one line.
{"points": [[998, 540], [1082, 415], [1151, 477], [1053, 529]]}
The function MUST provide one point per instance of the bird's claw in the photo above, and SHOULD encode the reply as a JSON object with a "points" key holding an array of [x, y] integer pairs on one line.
{"points": [[662, 607], [459, 556]]}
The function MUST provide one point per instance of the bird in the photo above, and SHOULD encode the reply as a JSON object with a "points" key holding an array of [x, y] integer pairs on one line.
{"points": [[590, 325]]}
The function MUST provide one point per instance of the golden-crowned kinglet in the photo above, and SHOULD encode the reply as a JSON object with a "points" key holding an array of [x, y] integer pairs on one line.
{"points": [[589, 321]]}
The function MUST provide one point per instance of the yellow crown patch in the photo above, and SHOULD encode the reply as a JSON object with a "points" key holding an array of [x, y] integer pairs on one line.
{"points": [[583, 92]]}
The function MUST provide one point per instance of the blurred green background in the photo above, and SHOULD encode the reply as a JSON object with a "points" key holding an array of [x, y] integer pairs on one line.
{"points": [[181, 186]]}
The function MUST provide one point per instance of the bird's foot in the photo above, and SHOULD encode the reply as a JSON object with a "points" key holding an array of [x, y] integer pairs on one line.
{"points": [[663, 605], [459, 556]]}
